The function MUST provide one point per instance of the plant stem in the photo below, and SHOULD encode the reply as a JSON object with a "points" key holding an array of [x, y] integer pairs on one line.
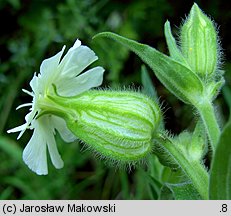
{"points": [[193, 169], [208, 117]]}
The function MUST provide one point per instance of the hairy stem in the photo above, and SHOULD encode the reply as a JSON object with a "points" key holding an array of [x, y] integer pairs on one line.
{"points": [[208, 117], [194, 170]]}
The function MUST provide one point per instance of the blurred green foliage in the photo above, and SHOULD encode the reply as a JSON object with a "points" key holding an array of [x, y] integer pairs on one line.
{"points": [[37, 29]]}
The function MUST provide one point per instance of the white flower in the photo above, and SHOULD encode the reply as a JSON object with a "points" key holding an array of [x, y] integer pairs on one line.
{"points": [[64, 74]]}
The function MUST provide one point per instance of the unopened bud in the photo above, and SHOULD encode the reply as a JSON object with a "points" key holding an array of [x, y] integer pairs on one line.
{"points": [[199, 43]]}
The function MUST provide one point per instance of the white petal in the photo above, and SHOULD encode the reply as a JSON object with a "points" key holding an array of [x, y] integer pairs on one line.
{"points": [[49, 65], [74, 86], [76, 44], [34, 155], [76, 60], [49, 72], [54, 154], [34, 84], [61, 127], [30, 116], [48, 134]]}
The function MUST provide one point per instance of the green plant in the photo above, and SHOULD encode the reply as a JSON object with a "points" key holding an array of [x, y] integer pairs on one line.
{"points": [[192, 73], [126, 127]]}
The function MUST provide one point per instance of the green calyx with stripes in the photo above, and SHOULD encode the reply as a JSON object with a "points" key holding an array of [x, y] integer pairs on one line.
{"points": [[118, 125]]}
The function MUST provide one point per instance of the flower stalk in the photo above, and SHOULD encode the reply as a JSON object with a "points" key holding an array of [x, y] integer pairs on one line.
{"points": [[207, 114]]}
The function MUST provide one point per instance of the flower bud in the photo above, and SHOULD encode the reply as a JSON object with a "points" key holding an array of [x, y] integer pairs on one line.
{"points": [[199, 43], [118, 125]]}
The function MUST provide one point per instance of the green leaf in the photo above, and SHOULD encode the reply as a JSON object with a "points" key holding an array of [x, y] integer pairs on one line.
{"points": [[20, 184], [11, 148], [124, 185], [174, 51], [213, 88], [226, 90], [154, 186], [165, 157], [166, 194], [220, 178], [177, 78], [182, 191], [149, 89], [175, 176], [6, 193]]}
